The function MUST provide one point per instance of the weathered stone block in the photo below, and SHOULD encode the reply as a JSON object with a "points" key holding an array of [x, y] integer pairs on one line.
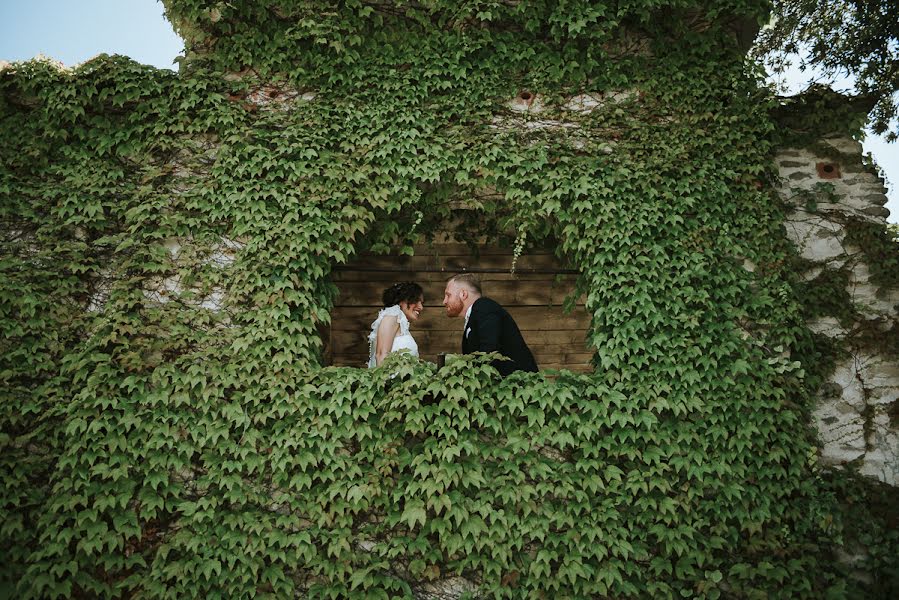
{"points": [[879, 199], [877, 211], [865, 177], [830, 327], [844, 145]]}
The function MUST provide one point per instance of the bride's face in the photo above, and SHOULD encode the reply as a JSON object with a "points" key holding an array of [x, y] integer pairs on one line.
{"points": [[412, 310]]}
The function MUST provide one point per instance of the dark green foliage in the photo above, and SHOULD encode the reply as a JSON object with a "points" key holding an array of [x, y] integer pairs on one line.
{"points": [[170, 431], [880, 249], [819, 111], [871, 517], [827, 296]]}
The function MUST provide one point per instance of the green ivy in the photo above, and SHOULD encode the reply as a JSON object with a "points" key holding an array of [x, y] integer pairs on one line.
{"points": [[168, 242], [827, 295], [880, 249]]}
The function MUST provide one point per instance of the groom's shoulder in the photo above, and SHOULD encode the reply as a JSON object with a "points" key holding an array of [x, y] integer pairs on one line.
{"points": [[487, 305]]}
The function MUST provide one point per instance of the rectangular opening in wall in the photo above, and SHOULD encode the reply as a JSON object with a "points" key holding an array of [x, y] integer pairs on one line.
{"points": [[533, 295]]}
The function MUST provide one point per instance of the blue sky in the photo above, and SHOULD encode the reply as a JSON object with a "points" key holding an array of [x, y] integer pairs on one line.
{"points": [[72, 31]]}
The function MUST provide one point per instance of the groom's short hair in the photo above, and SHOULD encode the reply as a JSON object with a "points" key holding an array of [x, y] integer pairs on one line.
{"points": [[471, 280]]}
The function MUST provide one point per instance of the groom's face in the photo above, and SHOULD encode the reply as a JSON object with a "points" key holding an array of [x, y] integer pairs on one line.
{"points": [[454, 299]]}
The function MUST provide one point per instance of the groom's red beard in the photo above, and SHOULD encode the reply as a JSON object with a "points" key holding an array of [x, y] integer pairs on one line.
{"points": [[454, 309]]}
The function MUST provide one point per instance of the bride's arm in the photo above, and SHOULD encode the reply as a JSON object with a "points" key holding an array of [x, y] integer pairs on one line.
{"points": [[386, 332]]}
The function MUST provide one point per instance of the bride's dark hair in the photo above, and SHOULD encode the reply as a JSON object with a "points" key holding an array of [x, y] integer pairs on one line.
{"points": [[405, 291]]}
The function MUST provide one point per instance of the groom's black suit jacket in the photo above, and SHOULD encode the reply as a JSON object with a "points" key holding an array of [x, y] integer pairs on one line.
{"points": [[490, 328]]}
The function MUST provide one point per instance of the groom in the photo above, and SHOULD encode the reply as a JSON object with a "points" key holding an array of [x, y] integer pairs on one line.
{"points": [[488, 327]]}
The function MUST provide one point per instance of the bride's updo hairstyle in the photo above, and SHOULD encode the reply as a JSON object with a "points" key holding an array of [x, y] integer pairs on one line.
{"points": [[405, 291]]}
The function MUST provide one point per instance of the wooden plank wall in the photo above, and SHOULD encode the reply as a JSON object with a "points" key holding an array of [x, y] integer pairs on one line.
{"points": [[533, 296]]}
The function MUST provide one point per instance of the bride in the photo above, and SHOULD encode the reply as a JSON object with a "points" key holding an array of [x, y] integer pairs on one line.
{"points": [[390, 331]]}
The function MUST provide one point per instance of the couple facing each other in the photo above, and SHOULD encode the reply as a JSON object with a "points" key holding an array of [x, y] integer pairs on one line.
{"points": [[488, 327]]}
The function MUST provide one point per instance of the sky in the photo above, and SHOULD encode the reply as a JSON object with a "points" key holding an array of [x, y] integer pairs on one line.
{"points": [[72, 31]]}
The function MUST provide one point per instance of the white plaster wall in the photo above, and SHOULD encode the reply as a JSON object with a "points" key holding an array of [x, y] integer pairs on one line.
{"points": [[853, 410]]}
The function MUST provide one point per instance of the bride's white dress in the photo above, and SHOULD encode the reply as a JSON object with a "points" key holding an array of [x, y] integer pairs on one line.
{"points": [[402, 341]]}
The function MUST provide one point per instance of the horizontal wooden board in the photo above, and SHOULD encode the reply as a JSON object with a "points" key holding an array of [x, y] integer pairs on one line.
{"points": [[543, 358], [547, 356], [346, 341], [448, 248], [460, 249], [440, 277], [528, 318], [507, 293], [582, 366], [455, 263]]}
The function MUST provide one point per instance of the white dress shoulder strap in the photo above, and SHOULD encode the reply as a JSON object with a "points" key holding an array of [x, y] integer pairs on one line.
{"points": [[390, 311], [401, 319]]}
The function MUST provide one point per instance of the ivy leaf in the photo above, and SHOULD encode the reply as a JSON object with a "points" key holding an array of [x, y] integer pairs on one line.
{"points": [[414, 512]]}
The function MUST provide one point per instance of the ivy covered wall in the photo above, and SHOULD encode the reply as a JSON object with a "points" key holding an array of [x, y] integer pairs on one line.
{"points": [[168, 241]]}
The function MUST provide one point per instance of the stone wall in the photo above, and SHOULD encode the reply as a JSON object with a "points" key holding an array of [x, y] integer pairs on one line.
{"points": [[830, 192]]}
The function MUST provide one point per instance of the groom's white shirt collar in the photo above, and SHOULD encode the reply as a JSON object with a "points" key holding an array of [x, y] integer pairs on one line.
{"points": [[467, 314]]}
